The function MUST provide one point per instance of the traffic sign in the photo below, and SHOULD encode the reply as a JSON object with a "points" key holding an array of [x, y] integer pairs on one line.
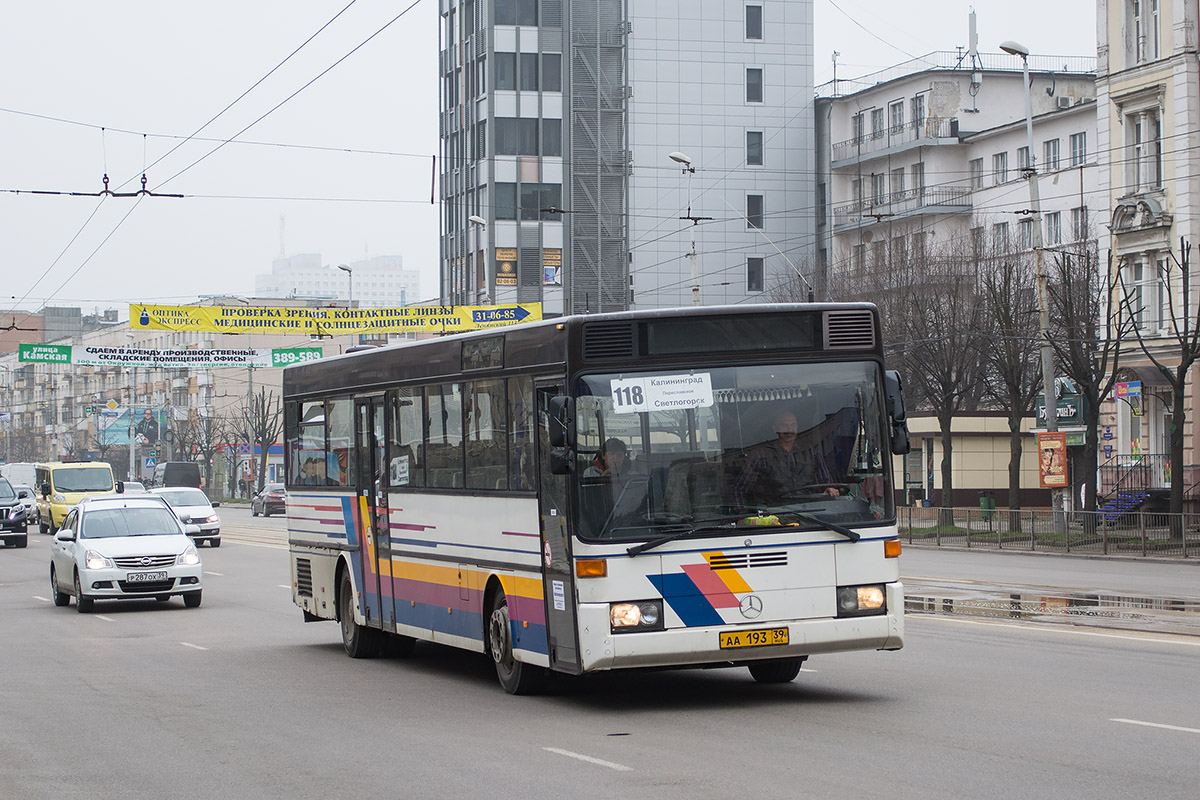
{"points": [[112, 404], [150, 462]]}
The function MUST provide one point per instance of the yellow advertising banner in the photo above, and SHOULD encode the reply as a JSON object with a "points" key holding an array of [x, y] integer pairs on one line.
{"points": [[330, 321]]}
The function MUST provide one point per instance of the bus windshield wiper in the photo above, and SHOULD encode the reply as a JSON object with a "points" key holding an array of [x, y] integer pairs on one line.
{"points": [[701, 526], [850, 534]]}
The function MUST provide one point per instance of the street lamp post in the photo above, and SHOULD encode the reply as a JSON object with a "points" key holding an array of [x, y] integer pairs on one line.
{"points": [[350, 284], [132, 421], [1043, 291], [477, 224], [689, 170]]}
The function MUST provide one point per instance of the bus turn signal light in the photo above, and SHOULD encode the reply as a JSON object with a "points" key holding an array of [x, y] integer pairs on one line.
{"points": [[891, 548], [591, 568]]}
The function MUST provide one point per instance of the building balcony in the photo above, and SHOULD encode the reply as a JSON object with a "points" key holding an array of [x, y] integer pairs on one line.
{"points": [[899, 205], [888, 141]]}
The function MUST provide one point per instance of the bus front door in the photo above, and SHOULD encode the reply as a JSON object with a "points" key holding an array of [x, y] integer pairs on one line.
{"points": [[558, 577], [372, 513]]}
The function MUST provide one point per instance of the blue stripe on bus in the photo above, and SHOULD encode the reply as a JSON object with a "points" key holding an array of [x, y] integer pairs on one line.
{"points": [[686, 600], [469, 625]]}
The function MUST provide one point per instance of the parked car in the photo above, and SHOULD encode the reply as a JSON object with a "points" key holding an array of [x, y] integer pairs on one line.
{"points": [[14, 520], [192, 506], [28, 499], [134, 487], [271, 500], [123, 547]]}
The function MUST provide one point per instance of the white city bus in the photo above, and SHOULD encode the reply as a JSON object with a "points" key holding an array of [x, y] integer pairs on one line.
{"points": [[455, 491]]}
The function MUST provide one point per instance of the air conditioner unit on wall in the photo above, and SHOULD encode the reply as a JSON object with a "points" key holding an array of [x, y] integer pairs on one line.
{"points": [[1064, 102]]}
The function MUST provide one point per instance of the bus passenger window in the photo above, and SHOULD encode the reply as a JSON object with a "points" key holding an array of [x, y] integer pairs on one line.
{"points": [[486, 435], [520, 449], [444, 456], [405, 464], [339, 466]]}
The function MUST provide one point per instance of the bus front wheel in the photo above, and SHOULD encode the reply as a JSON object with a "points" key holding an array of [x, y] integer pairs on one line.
{"points": [[515, 676], [776, 670], [359, 641]]}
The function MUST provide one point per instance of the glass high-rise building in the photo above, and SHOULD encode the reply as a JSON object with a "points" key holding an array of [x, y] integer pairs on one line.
{"points": [[558, 124]]}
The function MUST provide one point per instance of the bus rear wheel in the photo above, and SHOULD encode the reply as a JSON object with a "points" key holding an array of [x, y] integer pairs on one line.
{"points": [[515, 676], [776, 670], [359, 641]]}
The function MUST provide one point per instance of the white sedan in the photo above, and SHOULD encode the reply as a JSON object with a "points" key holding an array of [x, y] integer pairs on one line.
{"points": [[114, 546], [193, 507]]}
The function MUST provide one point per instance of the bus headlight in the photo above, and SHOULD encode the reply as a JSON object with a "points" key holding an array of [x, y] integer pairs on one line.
{"points": [[642, 615], [857, 601]]}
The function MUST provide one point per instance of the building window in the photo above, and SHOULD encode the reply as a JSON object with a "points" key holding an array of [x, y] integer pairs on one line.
{"points": [[551, 72], [1023, 159], [1025, 234], [754, 85], [1050, 155], [516, 136], [1141, 288], [858, 258], [505, 70], [976, 167], [754, 274], [754, 148], [506, 201], [1079, 224], [754, 211], [515, 12], [1000, 237], [918, 247], [538, 198], [1054, 228], [878, 190], [899, 251], [856, 191], [1144, 131], [877, 123], [754, 22], [999, 169], [898, 183], [1078, 148], [858, 126], [552, 137], [918, 112], [918, 178], [896, 112], [529, 72]]}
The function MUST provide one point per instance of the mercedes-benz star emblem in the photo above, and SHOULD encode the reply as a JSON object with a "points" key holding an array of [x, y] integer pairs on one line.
{"points": [[751, 606], [147, 562]]}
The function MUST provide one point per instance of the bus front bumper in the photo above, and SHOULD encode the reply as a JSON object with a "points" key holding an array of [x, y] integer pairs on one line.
{"points": [[602, 650]]}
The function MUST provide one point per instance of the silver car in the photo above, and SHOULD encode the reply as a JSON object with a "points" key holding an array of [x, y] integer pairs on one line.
{"points": [[116, 547], [192, 506]]}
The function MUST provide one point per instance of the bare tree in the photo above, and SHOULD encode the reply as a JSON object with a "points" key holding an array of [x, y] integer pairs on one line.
{"points": [[1174, 359], [261, 423], [1087, 340], [1012, 358]]}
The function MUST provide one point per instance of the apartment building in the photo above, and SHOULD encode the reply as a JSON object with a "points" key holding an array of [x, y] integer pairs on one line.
{"points": [[933, 153], [377, 282], [1148, 89], [558, 125]]}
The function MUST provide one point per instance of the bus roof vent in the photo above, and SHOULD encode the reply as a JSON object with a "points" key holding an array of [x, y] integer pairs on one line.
{"points": [[604, 341], [849, 330]]}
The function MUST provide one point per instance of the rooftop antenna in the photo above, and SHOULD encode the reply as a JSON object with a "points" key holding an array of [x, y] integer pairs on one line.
{"points": [[835, 58], [976, 64]]}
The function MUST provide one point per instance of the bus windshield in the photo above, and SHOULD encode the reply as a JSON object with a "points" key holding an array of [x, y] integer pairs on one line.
{"points": [[707, 450]]}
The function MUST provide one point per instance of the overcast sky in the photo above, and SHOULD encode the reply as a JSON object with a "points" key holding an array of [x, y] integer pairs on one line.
{"points": [[343, 168]]}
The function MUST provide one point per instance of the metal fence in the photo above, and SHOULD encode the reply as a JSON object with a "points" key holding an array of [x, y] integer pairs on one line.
{"points": [[1042, 530]]}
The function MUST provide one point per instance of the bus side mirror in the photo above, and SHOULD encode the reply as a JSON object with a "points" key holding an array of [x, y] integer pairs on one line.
{"points": [[900, 441], [562, 421], [120, 487], [562, 461], [895, 395]]}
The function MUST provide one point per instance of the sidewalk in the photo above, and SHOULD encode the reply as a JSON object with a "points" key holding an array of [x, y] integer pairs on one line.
{"points": [[1159, 596]]}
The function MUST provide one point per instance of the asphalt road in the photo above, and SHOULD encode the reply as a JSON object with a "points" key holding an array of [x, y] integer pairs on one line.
{"points": [[240, 698]]}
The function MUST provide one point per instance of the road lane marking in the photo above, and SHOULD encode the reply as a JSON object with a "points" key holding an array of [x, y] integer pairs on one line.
{"points": [[43, 599], [282, 586], [1041, 627], [806, 669], [1156, 725], [218, 574], [106, 619], [589, 759], [193, 646]]}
